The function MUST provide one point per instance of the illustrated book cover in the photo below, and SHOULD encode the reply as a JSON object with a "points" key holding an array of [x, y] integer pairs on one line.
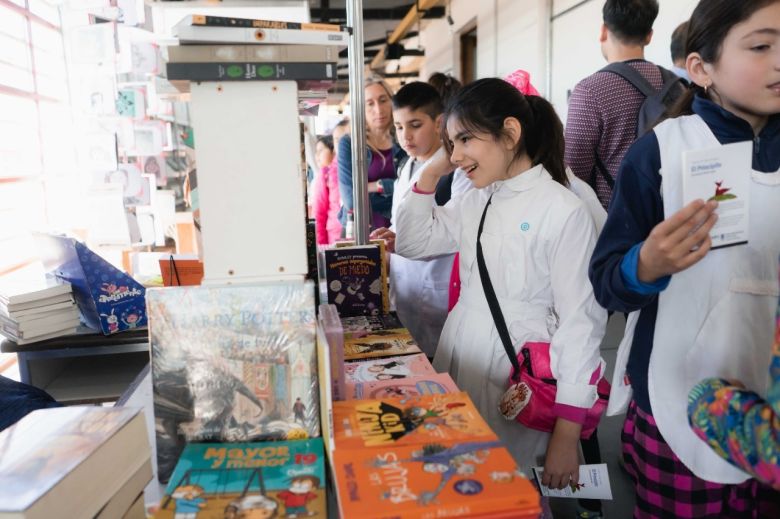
{"points": [[387, 422], [232, 363], [426, 481], [354, 280], [380, 344], [412, 386], [248, 480], [389, 368]]}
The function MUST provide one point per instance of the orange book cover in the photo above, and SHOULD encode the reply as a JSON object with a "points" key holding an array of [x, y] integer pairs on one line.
{"points": [[443, 479], [388, 422]]}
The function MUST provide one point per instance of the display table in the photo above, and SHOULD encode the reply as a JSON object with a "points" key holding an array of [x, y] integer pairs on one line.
{"points": [[83, 367]]}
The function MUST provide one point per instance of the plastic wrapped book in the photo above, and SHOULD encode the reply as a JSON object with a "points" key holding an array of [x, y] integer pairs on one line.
{"points": [[232, 364]]}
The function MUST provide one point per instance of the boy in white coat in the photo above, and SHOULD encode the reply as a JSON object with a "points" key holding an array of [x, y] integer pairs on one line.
{"points": [[419, 288]]}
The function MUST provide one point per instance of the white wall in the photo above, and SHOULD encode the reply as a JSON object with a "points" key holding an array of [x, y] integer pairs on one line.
{"points": [[512, 34]]}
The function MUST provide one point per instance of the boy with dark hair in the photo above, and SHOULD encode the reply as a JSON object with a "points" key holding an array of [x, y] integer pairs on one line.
{"points": [[419, 289], [604, 107], [677, 50]]}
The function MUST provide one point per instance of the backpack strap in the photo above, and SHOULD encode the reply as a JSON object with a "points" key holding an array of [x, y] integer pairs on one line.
{"points": [[670, 81], [631, 75]]}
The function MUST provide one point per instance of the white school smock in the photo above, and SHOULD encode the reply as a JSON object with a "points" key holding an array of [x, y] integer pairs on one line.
{"points": [[716, 318], [537, 241], [419, 288]]}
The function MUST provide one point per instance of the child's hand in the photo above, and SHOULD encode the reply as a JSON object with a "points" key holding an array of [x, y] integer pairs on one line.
{"points": [[437, 167], [383, 233], [678, 242], [561, 464]]}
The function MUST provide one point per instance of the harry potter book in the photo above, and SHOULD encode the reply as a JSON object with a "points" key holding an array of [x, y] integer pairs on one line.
{"points": [[390, 368], [472, 478], [232, 363], [387, 422], [270, 479]]}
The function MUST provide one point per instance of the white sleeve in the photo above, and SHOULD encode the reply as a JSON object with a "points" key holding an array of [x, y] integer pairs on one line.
{"points": [[424, 230], [574, 349]]}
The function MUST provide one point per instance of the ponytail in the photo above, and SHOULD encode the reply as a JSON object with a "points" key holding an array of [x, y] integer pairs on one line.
{"points": [[484, 105], [544, 140]]}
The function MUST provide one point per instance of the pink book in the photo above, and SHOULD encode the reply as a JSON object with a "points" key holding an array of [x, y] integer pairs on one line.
{"points": [[413, 386], [388, 368]]}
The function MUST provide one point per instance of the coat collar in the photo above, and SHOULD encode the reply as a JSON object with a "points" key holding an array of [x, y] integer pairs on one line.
{"points": [[728, 127], [526, 180]]}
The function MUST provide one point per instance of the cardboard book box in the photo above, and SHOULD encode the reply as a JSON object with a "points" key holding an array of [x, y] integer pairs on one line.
{"points": [[109, 300]]}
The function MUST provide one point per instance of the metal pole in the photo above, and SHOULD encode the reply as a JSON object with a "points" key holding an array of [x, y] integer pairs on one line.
{"points": [[361, 210]]}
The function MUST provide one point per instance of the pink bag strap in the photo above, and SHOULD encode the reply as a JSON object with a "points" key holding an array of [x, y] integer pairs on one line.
{"points": [[492, 300]]}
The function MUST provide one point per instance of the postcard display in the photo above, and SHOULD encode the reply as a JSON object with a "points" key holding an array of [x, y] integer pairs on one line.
{"points": [[232, 364]]}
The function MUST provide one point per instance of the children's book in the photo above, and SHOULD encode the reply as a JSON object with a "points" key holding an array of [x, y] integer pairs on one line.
{"points": [[385, 277], [413, 386], [593, 483], [362, 325], [354, 280], [390, 368], [232, 363], [386, 422], [380, 344], [722, 174], [270, 479], [473, 478], [334, 339]]}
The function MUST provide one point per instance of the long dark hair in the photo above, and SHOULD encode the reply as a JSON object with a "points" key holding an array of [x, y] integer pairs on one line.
{"points": [[710, 22], [482, 107]]}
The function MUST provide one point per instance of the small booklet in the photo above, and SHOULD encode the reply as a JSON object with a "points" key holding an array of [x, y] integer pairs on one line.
{"points": [[722, 174], [593, 484]]}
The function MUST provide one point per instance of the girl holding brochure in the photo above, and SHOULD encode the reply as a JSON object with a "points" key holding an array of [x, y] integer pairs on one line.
{"points": [[696, 312]]}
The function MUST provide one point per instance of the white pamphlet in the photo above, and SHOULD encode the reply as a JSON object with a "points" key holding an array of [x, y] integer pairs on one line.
{"points": [[722, 174], [593, 484]]}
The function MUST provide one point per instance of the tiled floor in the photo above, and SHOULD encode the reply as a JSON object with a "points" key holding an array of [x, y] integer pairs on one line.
{"points": [[622, 504]]}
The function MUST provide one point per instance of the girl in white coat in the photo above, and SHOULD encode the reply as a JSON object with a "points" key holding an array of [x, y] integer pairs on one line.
{"points": [[536, 241]]}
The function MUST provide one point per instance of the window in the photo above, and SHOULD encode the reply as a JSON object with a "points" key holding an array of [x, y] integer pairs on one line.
{"points": [[34, 115]]}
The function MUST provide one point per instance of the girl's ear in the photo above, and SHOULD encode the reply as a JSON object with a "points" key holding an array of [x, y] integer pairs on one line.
{"points": [[513, 131], [698, 70]]}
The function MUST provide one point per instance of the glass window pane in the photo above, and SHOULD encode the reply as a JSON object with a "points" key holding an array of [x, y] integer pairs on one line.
{"points": [[57, 135], [14, 52], [45, 10], [13, 23], [47, 39], [16, 78]]}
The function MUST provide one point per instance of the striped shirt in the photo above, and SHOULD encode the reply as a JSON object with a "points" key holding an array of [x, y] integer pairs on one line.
{"points": [[602, 120]]}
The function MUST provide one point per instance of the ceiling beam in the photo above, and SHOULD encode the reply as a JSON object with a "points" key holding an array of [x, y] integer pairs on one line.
{"points": [[412, 17]]}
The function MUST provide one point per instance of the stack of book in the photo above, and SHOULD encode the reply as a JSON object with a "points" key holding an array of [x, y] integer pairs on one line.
{"points": [[30, 314], [75, 462], [216, 48]]}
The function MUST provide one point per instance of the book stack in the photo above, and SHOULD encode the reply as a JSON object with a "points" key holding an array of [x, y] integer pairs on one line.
{"points": [[75, 462], [216, 48], [263, 479], [30, 314]]}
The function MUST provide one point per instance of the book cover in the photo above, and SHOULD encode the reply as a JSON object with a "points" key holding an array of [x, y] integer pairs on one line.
{"points": [[252, 53], [188, 34], [260, 71], [385, 343], [324, 370], [385, 276], [354, 280], [243, 480], [232, 363], [443, 479], [229, 21], [361, 325], [390, 368], [413, 420], [52, 455], [721, 174], [405, 387]]}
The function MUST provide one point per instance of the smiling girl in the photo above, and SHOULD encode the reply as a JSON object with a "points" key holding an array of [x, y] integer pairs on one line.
{"points": [[536, 240]]}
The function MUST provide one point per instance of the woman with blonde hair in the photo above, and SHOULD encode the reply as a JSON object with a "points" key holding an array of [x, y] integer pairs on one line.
{"points": [[383, 155]]}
